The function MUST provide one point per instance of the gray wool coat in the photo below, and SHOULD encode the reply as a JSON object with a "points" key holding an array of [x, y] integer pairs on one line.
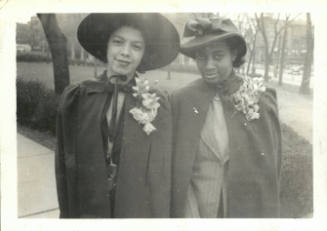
{"points": [[253, 171]]}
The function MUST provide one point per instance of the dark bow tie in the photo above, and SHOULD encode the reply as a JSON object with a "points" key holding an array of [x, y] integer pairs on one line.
{"points": [[110, 87], [126, 88]]}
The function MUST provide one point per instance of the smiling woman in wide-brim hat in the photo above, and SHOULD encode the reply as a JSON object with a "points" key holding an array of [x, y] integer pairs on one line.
{"points": [[161, 37], [114, 132]]}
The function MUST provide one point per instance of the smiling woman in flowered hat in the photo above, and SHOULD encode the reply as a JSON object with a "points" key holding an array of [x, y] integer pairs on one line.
{"points": [[227, 138], [114, 133]]}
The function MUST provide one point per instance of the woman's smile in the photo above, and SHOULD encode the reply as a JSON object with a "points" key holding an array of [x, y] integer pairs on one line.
{"points": [[123, 62], [211, 74]]}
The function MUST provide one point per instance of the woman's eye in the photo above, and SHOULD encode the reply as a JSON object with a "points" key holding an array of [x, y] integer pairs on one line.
{"points": [[218, 56], [137, 47], [200, 56], [117, 41]]}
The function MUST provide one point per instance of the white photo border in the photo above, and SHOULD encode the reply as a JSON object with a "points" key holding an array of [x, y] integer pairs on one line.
{"points": [[13, 10]]}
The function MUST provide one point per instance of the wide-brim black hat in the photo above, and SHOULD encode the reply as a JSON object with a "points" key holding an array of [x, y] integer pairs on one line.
{"points": [[202, 32], [161, 37]]}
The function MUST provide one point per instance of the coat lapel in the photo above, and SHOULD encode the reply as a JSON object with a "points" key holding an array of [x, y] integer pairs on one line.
{"points": [[199, 101], [190, 113]]}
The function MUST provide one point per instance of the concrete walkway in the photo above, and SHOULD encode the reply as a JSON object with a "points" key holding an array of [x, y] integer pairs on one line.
{"points": [[36, 181], [37, 196]]}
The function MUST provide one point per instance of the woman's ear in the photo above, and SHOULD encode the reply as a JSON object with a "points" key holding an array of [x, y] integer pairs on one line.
{"points": [[234, 54]]}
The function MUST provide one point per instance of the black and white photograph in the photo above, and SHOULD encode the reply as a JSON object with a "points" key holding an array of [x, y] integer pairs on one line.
{"points": [[141, 124], [125, 116]]}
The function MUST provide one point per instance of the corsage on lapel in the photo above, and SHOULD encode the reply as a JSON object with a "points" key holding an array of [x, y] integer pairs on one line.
{"points": [[246, 98], [147, 105]]}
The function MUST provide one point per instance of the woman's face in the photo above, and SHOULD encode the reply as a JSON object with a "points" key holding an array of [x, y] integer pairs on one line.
{"points": [[125, 51], [215, 62]]}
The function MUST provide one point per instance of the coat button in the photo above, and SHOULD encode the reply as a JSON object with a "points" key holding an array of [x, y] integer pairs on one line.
{"points": [[262, 153], [245, 124]]}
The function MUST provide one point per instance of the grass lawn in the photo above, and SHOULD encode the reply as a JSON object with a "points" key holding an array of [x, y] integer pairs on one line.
{"points": [[296, 175]]}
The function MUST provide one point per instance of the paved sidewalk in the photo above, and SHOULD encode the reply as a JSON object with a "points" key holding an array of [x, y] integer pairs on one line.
{"points": [[37, 196]]}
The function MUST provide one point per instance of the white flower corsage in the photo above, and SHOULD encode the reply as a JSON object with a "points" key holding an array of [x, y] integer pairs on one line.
{"points": [[247, 97], [146, 110]]}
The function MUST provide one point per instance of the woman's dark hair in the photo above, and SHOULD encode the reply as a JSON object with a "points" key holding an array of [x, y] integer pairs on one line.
{"points": [[235, 44]]}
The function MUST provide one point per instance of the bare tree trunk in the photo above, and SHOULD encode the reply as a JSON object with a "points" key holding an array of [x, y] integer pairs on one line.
{"points": [[262, 28], [252, 53], [305, 85], [282, 57], [267, 64], [249, 62], [253, 70], [82, 56], [95, 68], [73, 56], [168, 74], [267, 57], [57, 43], [278, 55]]}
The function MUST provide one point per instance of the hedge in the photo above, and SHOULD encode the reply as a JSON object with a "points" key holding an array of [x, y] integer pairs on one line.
{"points": [[36, 105], [41, 57], [32, 57]]}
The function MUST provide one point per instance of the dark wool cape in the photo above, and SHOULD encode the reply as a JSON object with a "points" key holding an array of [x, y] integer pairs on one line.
{"points": [[144, 175]]}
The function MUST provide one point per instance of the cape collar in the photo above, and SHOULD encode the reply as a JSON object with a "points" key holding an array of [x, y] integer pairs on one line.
{"points": [[102, 84], [228, 86]]}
